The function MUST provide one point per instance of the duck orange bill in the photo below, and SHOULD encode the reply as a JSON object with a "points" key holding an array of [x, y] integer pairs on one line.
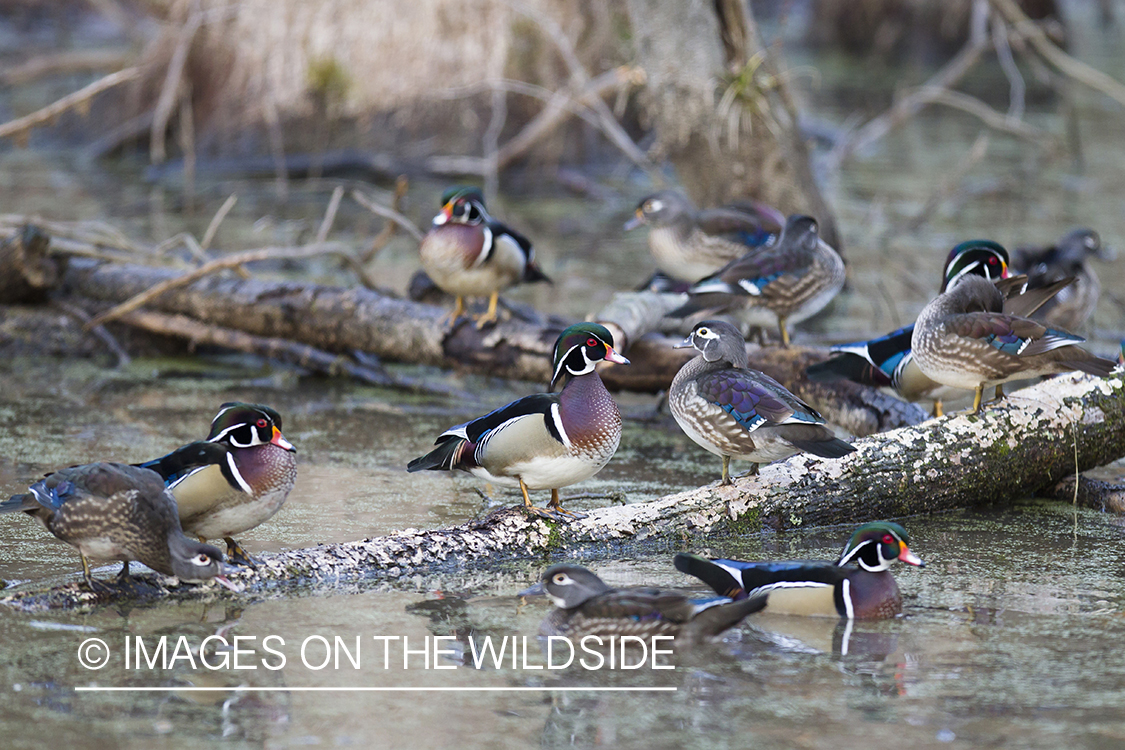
{"points": [[612, 356], [279, 440], [910, 558], [445, 215]]}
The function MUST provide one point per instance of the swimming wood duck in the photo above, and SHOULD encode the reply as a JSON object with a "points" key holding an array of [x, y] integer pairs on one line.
{"points": [[790, 280], [887, 361], [547, 440], [857, 586], [236, 479], [1069, 257], [964, 339], [467, 253], [735, 412], [118, 512], [689, 244], [587, 606]]}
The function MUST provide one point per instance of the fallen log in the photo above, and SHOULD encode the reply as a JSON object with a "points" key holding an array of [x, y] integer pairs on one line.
{"points": [[335, 319], [1012, 450]]}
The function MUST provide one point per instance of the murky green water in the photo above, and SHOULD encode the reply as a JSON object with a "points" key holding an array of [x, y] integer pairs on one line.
{"points": [[1010, 637]]}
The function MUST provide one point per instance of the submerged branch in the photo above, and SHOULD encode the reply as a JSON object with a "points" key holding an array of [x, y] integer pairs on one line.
{"points": [[1008, 452]]}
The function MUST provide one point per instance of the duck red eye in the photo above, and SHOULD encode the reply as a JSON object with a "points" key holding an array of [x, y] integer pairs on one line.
{"points": [[993, 261], [591, 341], [262, 423], [888, 539]]}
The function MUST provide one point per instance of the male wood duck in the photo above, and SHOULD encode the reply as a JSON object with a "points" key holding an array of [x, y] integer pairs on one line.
{"points": [[236, 479], [1069, 257], [863, 591], [119, 512], [964, 339], [467, 253], [790, 280], [547, 440], [587, 606], [735, 412], [887, 361], [689, 244]]}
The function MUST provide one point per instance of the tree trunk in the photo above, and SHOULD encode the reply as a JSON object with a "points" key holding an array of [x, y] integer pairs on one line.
{"points": [[693, 53], [1010, 451], [341, 320]]}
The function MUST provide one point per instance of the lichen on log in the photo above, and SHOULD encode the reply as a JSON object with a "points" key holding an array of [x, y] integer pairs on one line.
{"points": [[1011, 450]]}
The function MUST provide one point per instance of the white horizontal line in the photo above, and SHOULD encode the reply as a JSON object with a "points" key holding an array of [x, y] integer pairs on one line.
{"points": [[246, 689]]}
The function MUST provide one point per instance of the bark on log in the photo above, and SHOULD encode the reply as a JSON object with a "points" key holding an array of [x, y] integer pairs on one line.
{"points": [[1009, 451], [27, 272], [342, 320]]}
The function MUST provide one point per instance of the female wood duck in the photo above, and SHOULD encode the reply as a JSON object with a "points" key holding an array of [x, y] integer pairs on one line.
{"points": [[790, 280], [964, 339], [547, 440], [735, 412], [236, 479], [587, 606], [467, 253], [887, 361], [865, 591], [1069, 257], [689, 244], [119, 512]]}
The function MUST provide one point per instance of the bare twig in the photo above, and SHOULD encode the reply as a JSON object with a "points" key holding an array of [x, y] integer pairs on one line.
{"points": [[171, 88], [991, 117], [231, 261], [492, 143], [1079, 71], [388, 213], [906, 107], [106, 337], [57, 63], [1017, 87], [329, 214], [19, 127], [388, 231], [217, 219]]}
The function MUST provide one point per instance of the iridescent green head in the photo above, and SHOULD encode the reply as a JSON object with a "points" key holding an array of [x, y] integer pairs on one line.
{"points": [[975, 257], [240, 425], [579, 349], [463, 204], [875, 546]]}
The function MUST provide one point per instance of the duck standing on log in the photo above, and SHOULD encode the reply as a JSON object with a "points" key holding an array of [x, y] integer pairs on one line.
{"points": [[787, 282], [736, 412], [467, 253], [547, 440], [233, 481], [119, 512], [964, 339]]}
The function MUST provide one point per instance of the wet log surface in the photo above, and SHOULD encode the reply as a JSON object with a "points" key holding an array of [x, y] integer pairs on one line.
{"points": [[1012, 450]]}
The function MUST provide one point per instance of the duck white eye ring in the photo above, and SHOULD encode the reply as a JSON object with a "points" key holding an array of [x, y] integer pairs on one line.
{"points": [[202, 560], [703, 331], [560, 578]]}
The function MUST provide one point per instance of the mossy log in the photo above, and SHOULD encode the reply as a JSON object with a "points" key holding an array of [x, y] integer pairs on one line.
{"points": [[341, 320], [1014, 449]]}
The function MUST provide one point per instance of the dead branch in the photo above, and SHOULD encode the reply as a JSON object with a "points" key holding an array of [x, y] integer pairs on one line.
{"points": [[935, 467], [169, 92], [80, 99], [992, 118], [58, 63], [388, 231], [388, 213], [949, 183], [1064, 63], [1089, 493]]}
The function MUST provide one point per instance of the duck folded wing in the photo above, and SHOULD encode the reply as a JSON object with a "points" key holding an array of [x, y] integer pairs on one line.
{"points": [[742, 227], [538, 405], [751, 402], [642, 604], [1011, 335]]}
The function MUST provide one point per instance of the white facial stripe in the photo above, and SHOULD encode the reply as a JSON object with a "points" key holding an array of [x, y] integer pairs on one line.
{"points": [[852, 552], [237, 475], [558, 601]]}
